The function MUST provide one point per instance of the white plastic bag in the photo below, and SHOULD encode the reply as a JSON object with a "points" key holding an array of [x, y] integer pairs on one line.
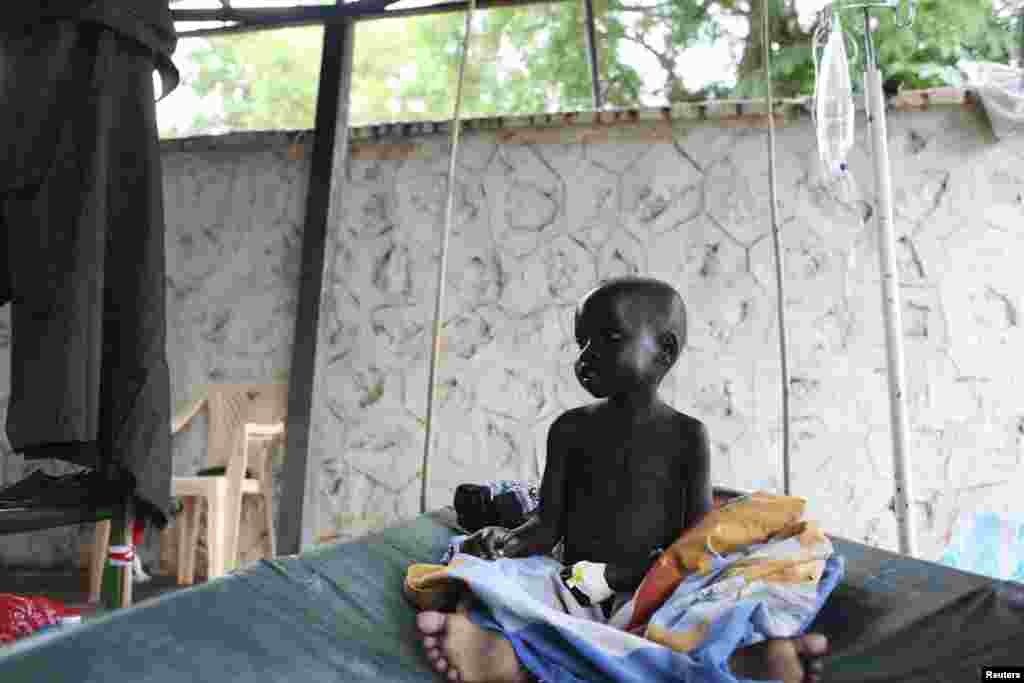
{"points": [[1001, 89], [833, 106]]}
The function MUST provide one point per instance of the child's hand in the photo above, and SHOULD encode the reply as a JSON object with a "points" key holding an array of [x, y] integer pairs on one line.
{"points": [[488, 543]]}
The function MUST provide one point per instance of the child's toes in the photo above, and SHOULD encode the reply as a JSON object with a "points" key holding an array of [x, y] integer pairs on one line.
{"points": [[812, 645], [812, 649], [430, 623]]}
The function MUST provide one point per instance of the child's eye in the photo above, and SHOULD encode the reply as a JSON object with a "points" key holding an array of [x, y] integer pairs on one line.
{"points": [[612, 336]]}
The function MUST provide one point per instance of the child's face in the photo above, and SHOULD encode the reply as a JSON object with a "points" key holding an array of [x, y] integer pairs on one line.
{"points": [[619, 349]]}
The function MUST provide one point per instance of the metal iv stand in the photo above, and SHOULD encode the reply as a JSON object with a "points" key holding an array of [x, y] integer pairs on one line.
{"points": [[891, 306]]}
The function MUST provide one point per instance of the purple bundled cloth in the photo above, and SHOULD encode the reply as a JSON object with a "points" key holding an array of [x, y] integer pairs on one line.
{"points": [[505, 503]]}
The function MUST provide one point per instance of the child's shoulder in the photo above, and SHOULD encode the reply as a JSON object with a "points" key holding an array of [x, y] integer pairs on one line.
{"points": [[686, 422], [576, 416], [586, 414]]}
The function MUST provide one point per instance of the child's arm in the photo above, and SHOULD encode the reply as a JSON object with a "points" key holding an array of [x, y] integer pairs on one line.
{"points": [[542, 531], [621, 578], [697, 475], [546, 526]]}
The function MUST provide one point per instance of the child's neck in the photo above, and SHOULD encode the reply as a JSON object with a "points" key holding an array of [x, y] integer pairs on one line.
{"points": [[636, 405]]}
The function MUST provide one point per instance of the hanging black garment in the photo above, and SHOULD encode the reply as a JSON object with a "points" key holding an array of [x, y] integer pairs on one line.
{"points": [[82, 250]]}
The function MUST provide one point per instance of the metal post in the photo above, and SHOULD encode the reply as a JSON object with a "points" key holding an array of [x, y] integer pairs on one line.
{"points": [[1020, 48], [777, 248], [591, 35], [875, 102], [442, 269], [297, 526]]}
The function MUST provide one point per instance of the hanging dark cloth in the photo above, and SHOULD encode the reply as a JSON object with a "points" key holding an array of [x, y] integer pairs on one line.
{"points": [[82, 243], [145, 21]]}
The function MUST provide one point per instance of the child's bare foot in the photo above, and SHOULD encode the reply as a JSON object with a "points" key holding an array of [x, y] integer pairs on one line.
{"points": [[463, 652], [795, 660]]}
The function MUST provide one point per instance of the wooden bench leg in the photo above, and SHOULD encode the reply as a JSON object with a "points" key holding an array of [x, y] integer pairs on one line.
{"points": [[116, 587], [98, 559]]}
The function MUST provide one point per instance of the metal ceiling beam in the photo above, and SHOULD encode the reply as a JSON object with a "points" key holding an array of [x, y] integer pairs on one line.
{"points": [[242, 28], [263, 14], [447, 7], [591, 35], [259, 19]]}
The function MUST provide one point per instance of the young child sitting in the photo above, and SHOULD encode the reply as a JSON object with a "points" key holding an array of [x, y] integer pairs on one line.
{"points": [[624, 477]]}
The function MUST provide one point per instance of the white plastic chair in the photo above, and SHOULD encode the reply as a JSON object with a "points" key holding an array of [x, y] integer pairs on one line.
{"points": [[243, 418]]}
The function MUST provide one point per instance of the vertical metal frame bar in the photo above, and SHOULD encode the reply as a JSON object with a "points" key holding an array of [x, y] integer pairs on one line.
{"points": [[297, 527], [591, 35], [1020, 28], [780, 270], [442, 270], [891, 301]]}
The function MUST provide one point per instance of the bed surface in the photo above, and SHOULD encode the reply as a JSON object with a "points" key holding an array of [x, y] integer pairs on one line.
{"points": [[337, 614]]}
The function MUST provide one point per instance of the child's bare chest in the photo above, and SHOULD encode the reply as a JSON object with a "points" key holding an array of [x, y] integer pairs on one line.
{"points": [[625, 498], [612, 468]]}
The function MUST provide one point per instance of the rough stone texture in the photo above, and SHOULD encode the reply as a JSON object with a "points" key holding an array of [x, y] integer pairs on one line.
{"points": [[538, 223]]}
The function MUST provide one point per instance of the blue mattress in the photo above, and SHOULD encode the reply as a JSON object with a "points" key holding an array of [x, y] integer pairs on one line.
{"points": [[337, 614]]}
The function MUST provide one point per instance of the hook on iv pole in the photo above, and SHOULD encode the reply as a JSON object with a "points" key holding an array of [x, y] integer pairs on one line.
{"points": [[898, 5], [906, 12]]}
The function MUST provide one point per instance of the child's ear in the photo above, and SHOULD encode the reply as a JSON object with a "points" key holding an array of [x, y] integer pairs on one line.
{"points": [[669, 342]]}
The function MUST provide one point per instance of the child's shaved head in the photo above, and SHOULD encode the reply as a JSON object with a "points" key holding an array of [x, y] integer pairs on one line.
{"points": [[664, 309]]}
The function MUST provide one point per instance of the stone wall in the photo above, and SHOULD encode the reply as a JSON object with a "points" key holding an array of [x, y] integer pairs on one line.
{"points": [[545, 209], [234, 209]]}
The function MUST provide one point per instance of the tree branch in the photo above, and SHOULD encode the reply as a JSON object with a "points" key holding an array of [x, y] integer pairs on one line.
{"points": [[643, 9], [666, 62]]}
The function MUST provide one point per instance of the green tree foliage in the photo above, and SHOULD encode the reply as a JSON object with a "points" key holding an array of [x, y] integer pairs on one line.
{"points": [[533, 59], [942, 34], [265, 80], [528, 59]]}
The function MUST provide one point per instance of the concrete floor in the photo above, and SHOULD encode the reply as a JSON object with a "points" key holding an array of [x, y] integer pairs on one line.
{"points": [[72, 587]]}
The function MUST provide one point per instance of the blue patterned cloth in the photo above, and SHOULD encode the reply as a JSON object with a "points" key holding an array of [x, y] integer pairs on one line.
{"points": [[989, 544], [558, 640]]}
